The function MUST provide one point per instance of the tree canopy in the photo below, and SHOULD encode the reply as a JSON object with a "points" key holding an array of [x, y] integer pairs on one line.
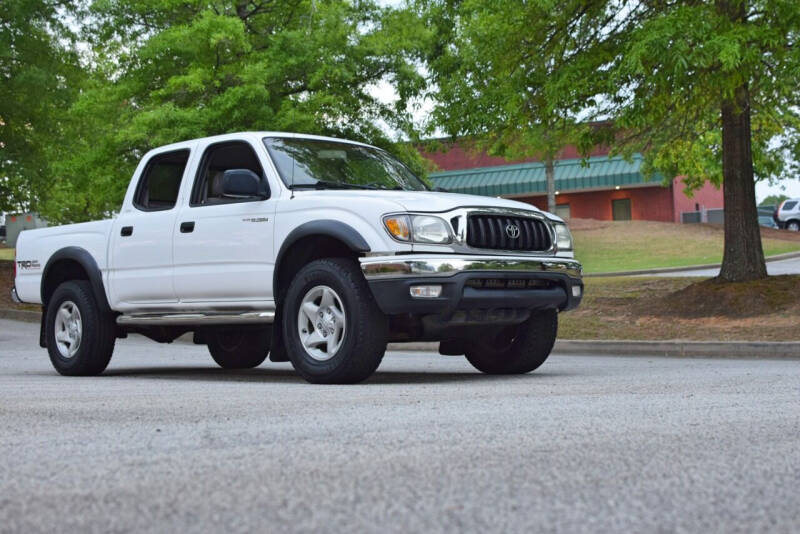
{"points": [[39, 74], [161, 71], [704, 89]]}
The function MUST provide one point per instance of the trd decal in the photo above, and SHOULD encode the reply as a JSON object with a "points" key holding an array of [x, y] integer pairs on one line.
{"points": [[256, 219], [28, 264]]}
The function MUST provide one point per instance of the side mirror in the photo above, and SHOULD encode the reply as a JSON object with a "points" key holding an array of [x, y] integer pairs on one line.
{"points": [[242, 183]]}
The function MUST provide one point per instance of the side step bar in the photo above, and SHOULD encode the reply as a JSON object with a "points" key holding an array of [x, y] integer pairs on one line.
{"points": [[200, 318]]}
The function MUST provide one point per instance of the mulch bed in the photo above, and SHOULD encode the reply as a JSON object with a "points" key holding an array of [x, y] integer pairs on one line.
{"points": [[685, 308], [6, 283]]}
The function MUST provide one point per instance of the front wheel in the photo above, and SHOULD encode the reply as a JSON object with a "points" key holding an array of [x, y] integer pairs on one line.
{"points": [[238, 348], [333, 330], [516, 349]]}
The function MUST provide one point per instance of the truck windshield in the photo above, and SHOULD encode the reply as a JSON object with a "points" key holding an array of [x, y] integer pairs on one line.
{"points": [[320, 164]]}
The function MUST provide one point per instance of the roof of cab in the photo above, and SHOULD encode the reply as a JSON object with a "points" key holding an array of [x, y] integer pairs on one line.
{"points": [[250, 134]]}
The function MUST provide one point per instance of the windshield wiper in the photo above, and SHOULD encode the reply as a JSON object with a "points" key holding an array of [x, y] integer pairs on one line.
{"points": [[322, 184], [375, 185]]}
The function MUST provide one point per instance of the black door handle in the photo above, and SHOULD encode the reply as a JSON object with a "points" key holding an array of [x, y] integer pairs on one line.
{"points": [[126, 231], [187, 227]]}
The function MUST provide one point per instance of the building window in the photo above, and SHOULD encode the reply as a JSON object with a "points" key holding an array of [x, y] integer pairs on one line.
{"points": [[621, 209], [562, 210]]}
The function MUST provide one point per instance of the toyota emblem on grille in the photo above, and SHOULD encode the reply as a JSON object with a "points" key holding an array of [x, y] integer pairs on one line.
{"points": [[512, 230]]}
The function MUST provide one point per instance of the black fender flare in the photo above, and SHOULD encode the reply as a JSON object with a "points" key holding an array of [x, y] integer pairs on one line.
{"points": [[323, 227], [85, 260]]}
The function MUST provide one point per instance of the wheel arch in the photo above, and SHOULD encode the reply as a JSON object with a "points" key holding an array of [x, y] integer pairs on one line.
{"points": [[73, 263], [314, 240]]}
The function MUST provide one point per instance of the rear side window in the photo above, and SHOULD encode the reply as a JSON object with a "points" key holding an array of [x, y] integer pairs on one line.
{"points": [[161, 180], [789, 205]]}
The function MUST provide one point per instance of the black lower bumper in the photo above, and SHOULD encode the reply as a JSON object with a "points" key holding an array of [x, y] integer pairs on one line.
{"points": [[476, 285]]}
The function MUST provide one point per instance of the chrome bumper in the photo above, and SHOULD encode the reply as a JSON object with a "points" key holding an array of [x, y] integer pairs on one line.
{"points": [[14, 295], [386, 267]]}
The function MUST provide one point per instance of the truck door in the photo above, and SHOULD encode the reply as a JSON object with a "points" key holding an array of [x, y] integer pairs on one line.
{"points": [[223, 246], [141, 241]]}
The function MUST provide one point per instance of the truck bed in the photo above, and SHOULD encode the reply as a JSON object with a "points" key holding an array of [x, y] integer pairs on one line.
{"points": [[34, 248]]}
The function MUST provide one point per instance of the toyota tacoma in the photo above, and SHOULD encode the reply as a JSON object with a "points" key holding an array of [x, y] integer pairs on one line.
{"points": [[305, 249]]}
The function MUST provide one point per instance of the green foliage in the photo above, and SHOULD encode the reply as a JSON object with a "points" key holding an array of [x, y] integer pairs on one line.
{"points": [[167, 71], [490, 68], [773, 200], [651, 76], [38, 74]]}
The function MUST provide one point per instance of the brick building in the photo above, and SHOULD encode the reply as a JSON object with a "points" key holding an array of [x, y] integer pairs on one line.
{"points": [[606, 188]]}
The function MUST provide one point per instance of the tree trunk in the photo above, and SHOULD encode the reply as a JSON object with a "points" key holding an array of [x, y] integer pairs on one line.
{"points": [[743, 258], [550, 175]]}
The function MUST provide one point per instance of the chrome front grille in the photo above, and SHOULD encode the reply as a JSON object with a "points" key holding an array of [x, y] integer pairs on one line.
{"points": [[508, 232]]}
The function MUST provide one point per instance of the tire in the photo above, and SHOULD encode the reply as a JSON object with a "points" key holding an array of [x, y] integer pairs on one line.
{"points": [[239, 348], [516, 349], [793, 226], [80, 337], [346, 343]]}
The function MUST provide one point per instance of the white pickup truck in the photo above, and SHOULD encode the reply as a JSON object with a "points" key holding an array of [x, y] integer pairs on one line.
{"points": [[308, 249]]}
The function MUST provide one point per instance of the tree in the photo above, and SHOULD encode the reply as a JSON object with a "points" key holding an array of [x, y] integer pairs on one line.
{"points": [[490, 81], [38, 71], [166, 71], [704, 89]]}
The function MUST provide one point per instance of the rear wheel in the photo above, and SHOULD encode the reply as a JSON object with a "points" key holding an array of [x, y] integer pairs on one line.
{"points": [[80, 337], [239, 348], [516, 349], [794, 226], [333, 330]]}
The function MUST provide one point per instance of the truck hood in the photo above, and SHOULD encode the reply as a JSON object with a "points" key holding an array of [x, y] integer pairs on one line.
{"points": [[427, 201]]}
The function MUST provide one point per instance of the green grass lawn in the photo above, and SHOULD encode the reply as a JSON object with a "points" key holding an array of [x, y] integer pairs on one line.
{"points": [[605, 246]]}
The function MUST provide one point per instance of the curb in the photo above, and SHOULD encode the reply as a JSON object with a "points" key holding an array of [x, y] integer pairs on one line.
{"points": [[683, 349], [789, 350], [668, 348], [660, 270], [20, 315]]}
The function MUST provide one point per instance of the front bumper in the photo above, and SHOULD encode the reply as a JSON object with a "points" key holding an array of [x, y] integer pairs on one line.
{"points": [[473, 283]]}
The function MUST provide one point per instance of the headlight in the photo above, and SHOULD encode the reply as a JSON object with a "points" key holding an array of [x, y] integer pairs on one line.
{"points": [[563, 237], [427, 229], [418, 228]]}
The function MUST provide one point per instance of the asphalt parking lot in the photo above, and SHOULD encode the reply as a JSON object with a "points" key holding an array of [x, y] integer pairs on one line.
{"points": [[166, 442]]}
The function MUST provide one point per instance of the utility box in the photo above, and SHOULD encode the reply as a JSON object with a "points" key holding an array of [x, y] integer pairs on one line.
{"points": [[16, 223]]}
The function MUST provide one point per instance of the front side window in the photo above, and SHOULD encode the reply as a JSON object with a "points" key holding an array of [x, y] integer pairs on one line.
{"points": [[161, 181], [322, 164], [218, 158]]}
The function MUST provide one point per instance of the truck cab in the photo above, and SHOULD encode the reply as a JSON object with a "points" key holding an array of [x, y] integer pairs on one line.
{"points": [[302, 248]]}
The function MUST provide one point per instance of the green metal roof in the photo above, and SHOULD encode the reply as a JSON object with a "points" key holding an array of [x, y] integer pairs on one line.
{"points": [[600, 172]]}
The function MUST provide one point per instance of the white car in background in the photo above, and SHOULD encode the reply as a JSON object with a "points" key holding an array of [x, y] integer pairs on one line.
{"points": [[787, 215]]}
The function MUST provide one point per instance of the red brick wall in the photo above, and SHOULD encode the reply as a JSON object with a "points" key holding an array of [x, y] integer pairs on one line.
{"points": [[708, 197], [647, 203], [455, 157]]}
